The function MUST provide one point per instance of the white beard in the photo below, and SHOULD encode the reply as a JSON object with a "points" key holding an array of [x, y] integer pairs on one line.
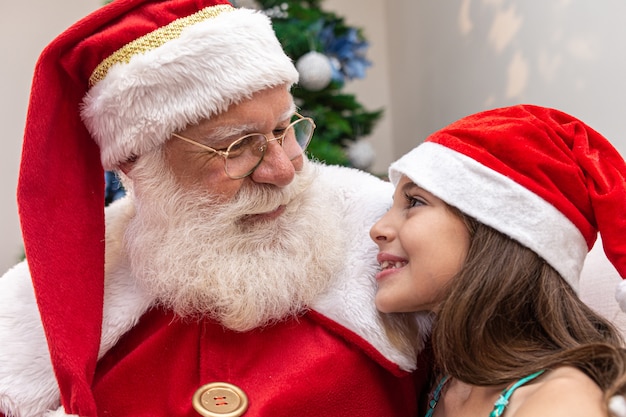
{"points": [[198, 257]]}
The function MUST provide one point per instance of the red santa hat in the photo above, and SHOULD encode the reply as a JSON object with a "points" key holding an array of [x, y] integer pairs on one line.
{"points": [[114, 86], [536, 174]]}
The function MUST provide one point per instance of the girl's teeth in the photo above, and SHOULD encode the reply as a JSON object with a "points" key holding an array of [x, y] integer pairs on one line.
{"points": [[389, 265]]}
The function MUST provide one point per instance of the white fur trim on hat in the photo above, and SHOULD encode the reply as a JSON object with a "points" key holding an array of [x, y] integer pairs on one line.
{"points": [[213, 64], [499, 202]]}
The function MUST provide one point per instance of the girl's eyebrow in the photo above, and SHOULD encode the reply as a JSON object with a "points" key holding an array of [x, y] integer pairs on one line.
{"points": [[408, 186]]}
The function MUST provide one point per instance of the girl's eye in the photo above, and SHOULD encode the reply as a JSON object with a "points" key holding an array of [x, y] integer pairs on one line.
{"points": [[413, 201]]}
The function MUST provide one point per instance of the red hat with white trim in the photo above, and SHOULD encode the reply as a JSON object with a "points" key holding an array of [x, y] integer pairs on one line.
{"points": [[110, 88], [538, 175]]}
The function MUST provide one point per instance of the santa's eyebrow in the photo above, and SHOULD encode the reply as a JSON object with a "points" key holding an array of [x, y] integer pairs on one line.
{"points": [[228, 131], [289, 112], [231, 131]]}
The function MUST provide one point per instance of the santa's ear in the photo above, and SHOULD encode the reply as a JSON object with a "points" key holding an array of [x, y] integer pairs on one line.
{"points": [[127, 165]]}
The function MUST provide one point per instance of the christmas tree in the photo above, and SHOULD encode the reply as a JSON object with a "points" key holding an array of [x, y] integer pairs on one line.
{"points": [[327, 53]]}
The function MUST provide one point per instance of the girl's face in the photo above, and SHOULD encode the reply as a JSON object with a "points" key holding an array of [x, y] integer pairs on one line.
{"points": [[422, 245]]}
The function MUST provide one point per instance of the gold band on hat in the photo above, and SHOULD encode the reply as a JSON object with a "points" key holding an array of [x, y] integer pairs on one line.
{"points": [[154, 39]]}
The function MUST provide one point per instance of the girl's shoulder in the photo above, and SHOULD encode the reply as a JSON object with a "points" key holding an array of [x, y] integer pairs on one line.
{"points": [[565, 391]]}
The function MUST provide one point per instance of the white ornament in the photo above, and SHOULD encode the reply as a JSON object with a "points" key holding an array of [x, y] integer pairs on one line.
{"points": [[247, 4], [361, 154], [315, 71]]}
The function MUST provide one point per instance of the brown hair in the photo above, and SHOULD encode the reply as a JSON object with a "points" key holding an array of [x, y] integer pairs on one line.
{"points": [[508, 313]]}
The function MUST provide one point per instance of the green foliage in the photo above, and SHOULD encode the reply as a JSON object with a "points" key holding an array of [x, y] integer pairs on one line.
{"points": [[339, 117]]}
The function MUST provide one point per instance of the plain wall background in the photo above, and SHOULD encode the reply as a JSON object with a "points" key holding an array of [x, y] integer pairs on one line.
{"points": [[451, 58], [433, 62], [25, 29]]}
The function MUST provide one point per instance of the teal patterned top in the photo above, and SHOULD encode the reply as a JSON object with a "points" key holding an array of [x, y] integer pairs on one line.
{"points": [[498, 406]]}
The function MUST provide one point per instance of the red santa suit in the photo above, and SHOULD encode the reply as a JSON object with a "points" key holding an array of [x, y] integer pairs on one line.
{"points": [[333, 360]]}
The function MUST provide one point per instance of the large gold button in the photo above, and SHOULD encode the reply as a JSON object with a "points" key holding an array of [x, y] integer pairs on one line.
{"points": [[220, 399]]}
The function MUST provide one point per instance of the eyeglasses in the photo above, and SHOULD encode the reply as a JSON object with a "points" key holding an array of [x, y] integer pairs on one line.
{"points": [[245, 154]]}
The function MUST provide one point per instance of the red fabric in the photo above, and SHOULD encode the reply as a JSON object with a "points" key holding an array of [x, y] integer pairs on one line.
{"points": [[353, 338], [61, 190], [559, 158], [295, 368]]}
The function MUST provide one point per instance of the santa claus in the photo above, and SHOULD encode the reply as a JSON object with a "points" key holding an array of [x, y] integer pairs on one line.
{"points": [[235, 278]]}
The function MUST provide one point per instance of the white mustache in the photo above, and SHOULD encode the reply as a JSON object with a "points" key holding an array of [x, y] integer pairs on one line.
{"points": [[258, 199]]}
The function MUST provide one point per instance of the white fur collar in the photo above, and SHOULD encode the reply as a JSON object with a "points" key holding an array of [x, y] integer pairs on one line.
{"points": [[361, 199]]}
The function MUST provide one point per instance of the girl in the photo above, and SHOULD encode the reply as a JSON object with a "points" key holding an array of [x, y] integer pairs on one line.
{"points": [[491, 220]]}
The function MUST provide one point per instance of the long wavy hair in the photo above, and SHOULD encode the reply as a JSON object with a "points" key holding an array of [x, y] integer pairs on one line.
{"points": [[508, 313]]}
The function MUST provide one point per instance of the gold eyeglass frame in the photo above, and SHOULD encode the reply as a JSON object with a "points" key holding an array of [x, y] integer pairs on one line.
{"points": [[279, 138]]}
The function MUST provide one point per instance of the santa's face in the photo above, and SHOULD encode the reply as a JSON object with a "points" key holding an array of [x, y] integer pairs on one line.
{"points": [[244, 252], [267, 112]]}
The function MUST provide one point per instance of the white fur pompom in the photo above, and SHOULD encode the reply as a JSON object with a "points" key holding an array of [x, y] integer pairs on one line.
{"points": [[620, 296], [617, 406]]}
